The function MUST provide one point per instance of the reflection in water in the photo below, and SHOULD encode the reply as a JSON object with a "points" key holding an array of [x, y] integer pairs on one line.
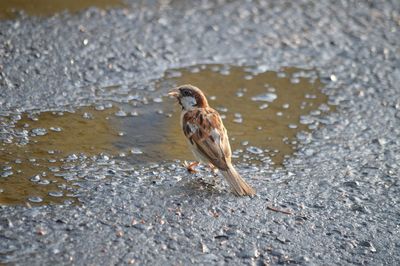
{"points": [[49, 7], [48, 153]]}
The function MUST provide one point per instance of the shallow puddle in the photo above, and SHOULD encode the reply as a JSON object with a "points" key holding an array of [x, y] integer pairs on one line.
{"points": [[8, 8], [44, 147], [262, 111], [48, 153]]}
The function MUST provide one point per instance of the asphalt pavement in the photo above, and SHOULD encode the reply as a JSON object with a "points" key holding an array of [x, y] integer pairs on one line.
{"points": [[335, 202]]}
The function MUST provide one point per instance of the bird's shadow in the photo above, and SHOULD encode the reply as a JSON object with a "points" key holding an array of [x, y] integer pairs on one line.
{"points": [[201, 188]]}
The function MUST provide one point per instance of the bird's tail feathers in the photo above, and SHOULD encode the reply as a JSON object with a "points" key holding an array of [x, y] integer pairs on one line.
{"points": [[239, 186]]}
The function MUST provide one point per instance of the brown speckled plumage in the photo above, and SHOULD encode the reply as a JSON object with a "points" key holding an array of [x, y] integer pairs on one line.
{"points": [[207, 136]]}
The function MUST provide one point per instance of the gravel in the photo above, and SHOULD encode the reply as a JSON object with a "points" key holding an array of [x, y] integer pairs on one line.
{"points": [[342, 187]]}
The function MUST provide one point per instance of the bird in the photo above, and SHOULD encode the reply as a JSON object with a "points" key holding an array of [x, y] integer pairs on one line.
{"points": [[207, 136]]}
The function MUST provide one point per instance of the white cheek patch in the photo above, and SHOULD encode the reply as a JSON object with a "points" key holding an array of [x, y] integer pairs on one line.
{"points": [[188, 102]]}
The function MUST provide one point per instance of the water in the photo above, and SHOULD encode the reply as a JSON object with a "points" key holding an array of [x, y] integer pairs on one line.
{"points": [[48, 154], [260, 109], [50, 143], [49, 7]]}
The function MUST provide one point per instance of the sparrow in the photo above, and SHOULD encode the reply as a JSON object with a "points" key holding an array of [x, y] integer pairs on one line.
{"points": [[207, 137]]}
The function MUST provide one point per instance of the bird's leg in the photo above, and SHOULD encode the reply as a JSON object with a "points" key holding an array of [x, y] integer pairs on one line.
{"points": [[190, 167], [214, 171]]}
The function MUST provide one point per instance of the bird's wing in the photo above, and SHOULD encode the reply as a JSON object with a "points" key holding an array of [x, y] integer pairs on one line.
{"points": [[205, 130]]}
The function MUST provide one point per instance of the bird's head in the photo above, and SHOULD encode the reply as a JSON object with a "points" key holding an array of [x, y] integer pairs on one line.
{"points": [[189, 97]]}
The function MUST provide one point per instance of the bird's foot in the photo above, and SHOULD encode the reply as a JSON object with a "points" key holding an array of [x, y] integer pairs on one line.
{"points": [[190, 167], [215, 178], [213, 169]]}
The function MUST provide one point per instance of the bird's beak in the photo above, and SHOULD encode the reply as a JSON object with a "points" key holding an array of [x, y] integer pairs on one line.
{"points": [[174, 92]]}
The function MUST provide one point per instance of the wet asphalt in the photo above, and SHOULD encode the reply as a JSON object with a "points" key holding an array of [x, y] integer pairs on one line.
{"points": [[339, 194]]}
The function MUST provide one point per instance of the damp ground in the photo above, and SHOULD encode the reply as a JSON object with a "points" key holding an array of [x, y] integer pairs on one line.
{"points": [[264, 111], [334, 201]]}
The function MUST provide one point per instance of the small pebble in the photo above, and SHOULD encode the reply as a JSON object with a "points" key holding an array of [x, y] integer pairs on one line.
{"points": [[44, 182], [39, 131], [87, 115], [72, 157], [56, 194], [254, 150], [35, 199], [121, 113], [239, 94], [95, 177], [6, 173], [136, 151], [238, 120], [267, 97], [35, 178], [56, 129]]}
